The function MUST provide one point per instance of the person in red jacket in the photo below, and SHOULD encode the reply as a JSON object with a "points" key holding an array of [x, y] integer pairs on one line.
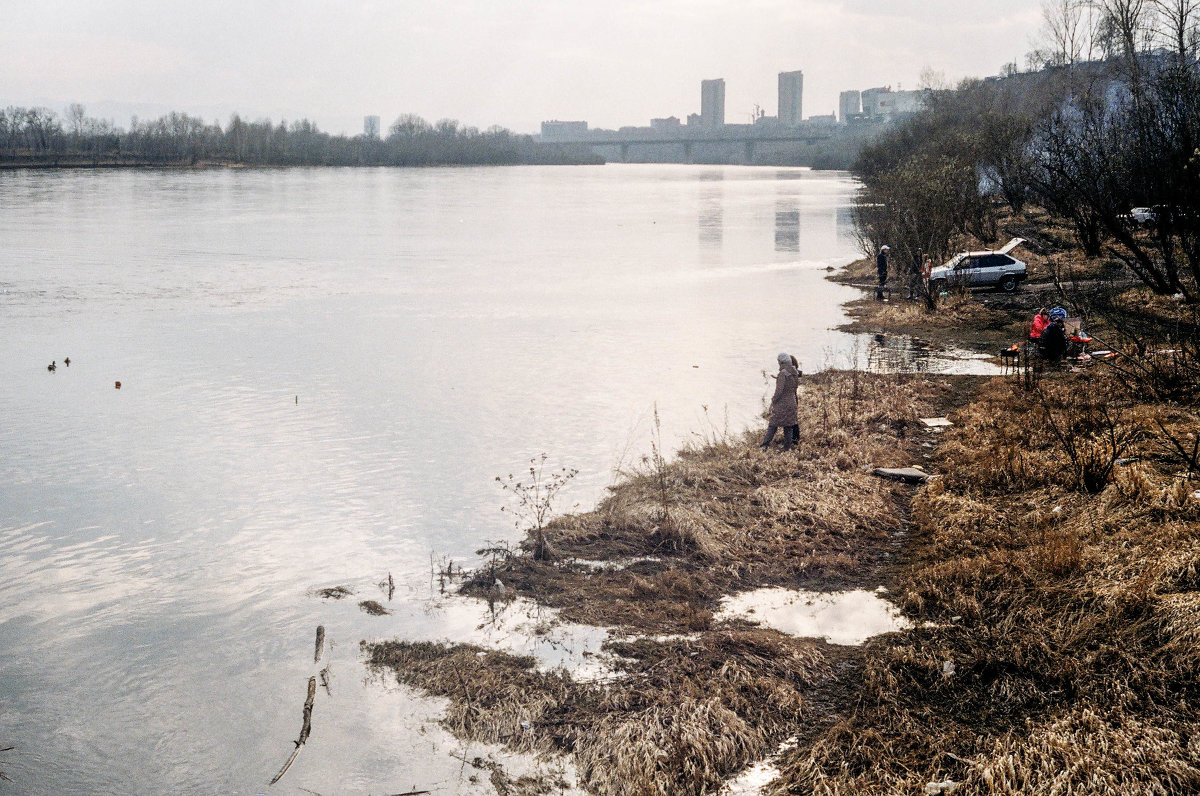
{"points": [[1038, 325]]}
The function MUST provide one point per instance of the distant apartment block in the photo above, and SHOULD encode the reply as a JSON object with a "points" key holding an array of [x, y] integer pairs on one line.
{"points": [[791, 98], [712, 103], [883, 103], [668, 125], [555, 129], [849, 105], [371, 126]]}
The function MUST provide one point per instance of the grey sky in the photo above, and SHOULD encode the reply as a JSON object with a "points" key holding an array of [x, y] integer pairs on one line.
{"points": [[507, 62]]}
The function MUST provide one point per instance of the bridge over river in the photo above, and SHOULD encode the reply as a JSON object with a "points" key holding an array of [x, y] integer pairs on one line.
{"points": [[729, 145]]}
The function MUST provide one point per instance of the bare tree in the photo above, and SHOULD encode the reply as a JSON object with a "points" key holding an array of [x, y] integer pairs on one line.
{"points": [[1178, 26], [1064, 25], [76, 120], [1124, 26]]}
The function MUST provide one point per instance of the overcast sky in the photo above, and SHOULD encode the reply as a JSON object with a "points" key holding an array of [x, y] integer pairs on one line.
{"points": [[484, 62]]}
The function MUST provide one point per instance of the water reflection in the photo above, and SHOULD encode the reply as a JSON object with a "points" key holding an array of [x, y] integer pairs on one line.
{"points": [[906, 354], [844, 223], [324, 370], [712, 211], [847, 618], [787, 227]]}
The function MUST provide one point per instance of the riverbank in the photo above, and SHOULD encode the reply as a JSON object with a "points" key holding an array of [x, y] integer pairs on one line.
{"points": [[694, 698], [1048, 574]]}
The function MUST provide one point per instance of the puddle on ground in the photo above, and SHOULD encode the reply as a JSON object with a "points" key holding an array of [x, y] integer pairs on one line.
{"points": [[517, 626], [848, 618], [905, 354]]}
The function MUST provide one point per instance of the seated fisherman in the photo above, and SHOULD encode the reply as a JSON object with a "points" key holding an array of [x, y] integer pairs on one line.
{"points": [[1053, 342], [1038, 325]]}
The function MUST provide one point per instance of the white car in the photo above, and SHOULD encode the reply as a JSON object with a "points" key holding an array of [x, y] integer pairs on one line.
{"points": [[1141, 217], [981, 269]]}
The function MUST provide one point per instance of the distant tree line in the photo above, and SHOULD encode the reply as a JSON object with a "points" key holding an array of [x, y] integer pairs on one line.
{"points": [[41, 137], [1085, 140]]}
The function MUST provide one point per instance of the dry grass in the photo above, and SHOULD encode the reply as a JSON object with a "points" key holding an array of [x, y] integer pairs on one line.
{"points": [[992, 320], [739, 518], [373, 608], [687, 715], [1071, 614], [1062, 587]]}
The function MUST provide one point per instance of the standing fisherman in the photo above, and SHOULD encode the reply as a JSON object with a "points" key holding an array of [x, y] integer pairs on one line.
{"points": [[784, 406], [881, 268]]}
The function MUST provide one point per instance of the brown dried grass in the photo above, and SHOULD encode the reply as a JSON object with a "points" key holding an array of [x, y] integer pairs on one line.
{"points": [[687, 715], [1071, 613], [1072, 619], [737, 518]]}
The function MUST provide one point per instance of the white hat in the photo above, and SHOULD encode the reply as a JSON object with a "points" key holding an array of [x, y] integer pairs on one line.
{"points": [[885, 248]]}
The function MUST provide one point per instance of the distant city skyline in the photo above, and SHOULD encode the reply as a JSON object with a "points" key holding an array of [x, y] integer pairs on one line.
{"points": [[514, 64]]}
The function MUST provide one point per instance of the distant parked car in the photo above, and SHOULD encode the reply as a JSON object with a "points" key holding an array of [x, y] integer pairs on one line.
{"points": [[981, 269], [1141, 217]]}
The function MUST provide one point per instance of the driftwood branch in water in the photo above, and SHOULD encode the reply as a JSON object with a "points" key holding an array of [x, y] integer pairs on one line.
{"points": [[324, 675], [305, 729], [320, 644]]}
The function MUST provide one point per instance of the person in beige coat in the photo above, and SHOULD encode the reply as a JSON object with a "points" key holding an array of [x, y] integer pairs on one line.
{"points": [[784, 409]]}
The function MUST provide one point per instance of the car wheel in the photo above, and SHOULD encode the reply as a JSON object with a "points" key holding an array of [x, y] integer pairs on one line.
{"points": [[937, 287], [1009, 283]]}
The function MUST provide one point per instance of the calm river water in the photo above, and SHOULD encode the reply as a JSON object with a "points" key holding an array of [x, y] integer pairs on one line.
{"points": [[322, 372]]}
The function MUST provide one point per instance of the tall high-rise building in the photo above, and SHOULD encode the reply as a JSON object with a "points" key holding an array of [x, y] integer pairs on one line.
{"points": [[712, 103], [849, 104], [371, 126], [791, 98]]}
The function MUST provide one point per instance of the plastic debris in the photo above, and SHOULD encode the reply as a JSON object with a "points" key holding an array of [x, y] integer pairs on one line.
{"points": [[938, 788], [948, 669], [909, 475]]}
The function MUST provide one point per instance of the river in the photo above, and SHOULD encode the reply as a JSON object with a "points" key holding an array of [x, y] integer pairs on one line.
{"points": [[322, 371]]}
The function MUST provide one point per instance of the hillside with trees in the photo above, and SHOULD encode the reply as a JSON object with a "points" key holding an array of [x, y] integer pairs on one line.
{"points": [[1110, 123]]}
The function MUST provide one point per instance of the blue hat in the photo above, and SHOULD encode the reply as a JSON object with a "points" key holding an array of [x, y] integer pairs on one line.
{"points": [[1058, 314]]}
